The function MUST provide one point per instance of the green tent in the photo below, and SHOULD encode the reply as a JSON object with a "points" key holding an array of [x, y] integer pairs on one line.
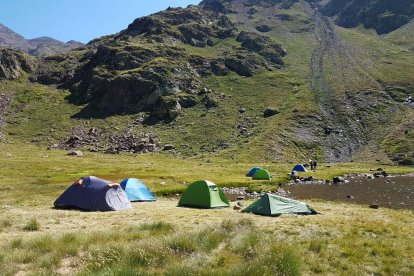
{"points": [[273, 205], [262, 174], [203, 194]]}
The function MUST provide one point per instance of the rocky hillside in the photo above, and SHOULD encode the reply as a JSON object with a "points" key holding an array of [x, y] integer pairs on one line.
{"points": [[382, 15], [41, 46], [244, 79]]}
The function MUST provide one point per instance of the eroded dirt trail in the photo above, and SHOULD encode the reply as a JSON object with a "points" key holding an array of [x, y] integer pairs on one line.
{"points": [[336, 81]]}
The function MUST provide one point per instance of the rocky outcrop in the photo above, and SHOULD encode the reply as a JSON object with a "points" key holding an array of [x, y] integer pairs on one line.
{"points": [[262, 45], [382, 15], [13, 64], [5, 100], [133, 71]]}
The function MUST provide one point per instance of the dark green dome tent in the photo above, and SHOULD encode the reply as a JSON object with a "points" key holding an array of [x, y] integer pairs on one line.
{"points": [[262, 174], [273, 205], [94, 194], [203, 194]]}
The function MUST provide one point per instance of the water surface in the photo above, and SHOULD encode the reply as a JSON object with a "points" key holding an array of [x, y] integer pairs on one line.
{"points": [[391, 192]]}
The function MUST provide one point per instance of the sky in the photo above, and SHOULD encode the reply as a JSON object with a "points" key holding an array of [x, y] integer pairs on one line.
{"points": [[81, 20]]}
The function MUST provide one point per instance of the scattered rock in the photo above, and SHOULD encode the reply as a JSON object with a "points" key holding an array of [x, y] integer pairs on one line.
{"points": [[338, 179], [242, 110], [374, 206], [133, 143], [369, 176], [240, 198], [168, 147], [210, 101], [187, 101], [236, 207], [81, 135], [349, 196], [77, 153], [269, 112], [264, 28]]}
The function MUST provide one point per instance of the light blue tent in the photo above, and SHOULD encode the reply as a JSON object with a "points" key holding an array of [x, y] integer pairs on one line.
{"points": [[299, 168], [253, 171], [136, 190]]}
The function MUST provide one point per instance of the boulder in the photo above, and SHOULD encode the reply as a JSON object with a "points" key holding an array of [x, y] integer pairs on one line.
{"points": [[264, 28], [210, 101], [338, 179], [374, 206], [187, 101], [269, 112], [239, 65], [168, 108], [77, 153], [168, 147]]}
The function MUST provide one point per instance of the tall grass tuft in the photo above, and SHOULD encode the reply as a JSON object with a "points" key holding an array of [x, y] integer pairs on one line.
{"points": [[32, 225], [157, 227], [183, 244], [4, 224]]}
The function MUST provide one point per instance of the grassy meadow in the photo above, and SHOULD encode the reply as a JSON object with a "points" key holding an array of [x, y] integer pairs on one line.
{"points": [[160, 238]]}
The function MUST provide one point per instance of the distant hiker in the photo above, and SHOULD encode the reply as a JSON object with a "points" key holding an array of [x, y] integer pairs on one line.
{"points": [[311, 164], [315, 165]]}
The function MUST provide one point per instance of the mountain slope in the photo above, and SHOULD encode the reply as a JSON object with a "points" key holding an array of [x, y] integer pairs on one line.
{"points": [[41, 46], [8, 38], [202, 77]]}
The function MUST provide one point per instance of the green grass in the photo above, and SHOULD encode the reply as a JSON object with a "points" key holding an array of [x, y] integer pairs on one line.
{"points": [[32, 225]]}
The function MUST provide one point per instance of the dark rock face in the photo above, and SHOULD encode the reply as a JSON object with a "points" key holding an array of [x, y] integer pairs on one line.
{"points": [[13, 64], [5, 100], [382, 15], [262, 45], [240, 65]]}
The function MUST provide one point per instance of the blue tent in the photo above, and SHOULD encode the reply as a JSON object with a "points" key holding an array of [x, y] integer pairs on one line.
{"points": [[299, 168], [136, 190], [94, 194], [253, 171]]}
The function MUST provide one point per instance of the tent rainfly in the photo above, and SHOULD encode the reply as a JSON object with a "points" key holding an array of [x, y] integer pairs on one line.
{"points": [[203, 194], [273, 205], [94, 194], [136, 190], [252, 171], [299, 168], [262, 174]]}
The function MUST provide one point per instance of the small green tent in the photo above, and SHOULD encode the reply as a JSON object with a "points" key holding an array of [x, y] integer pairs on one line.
{"points": [[262, 174], [203, 194], [273, 205]]}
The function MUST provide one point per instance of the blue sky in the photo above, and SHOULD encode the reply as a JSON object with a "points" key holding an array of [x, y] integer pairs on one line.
{"points": [[81, 20]]}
